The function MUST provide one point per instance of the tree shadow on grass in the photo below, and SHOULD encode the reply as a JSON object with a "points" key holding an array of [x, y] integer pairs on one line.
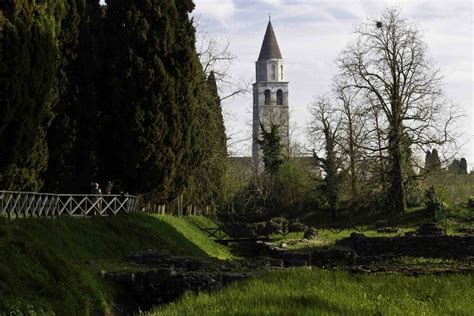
{"points": [[174, 241]]}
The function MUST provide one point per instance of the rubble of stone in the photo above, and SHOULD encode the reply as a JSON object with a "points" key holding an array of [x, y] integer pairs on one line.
{"points": [[466, 230], [321, 256], [430, 229], [310, 233], [276, 225]]}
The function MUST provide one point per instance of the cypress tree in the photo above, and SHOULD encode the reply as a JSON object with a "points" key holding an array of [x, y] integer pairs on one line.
{"points": [[463, 166], [206, 183], [72, 135], [216, 107], [458, 166], [435, 162], [28, 64], [152, 81], [432, 161], [454, 166], [428, 160]]}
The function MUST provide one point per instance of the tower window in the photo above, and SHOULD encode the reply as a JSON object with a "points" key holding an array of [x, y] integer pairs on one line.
{"points": [[267, 97], [273, 72], [279, 97], [281, 72]]}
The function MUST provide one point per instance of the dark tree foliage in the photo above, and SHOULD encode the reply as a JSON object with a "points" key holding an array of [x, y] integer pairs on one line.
{"points": [[432, 162], [73, 133], [219, 138], [206, 183], [458, 166], [329, 165], [152, 81], [272, 148], [91, 93], [463, 166], [28, 64]]}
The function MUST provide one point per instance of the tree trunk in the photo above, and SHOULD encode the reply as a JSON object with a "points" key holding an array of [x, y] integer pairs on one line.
{"points": [[353, 168], [397, 190]]}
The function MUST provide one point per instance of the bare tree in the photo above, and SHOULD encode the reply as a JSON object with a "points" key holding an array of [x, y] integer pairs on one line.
{"points": [[388, 63], [353, 131], [215, 55]]}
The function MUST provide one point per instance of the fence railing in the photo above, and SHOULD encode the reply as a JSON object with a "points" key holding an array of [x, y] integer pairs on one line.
{"points": [[46, 204]]}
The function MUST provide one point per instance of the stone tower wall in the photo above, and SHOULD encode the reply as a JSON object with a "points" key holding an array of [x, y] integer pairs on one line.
{"points": [[269, 113], [270, 95]]}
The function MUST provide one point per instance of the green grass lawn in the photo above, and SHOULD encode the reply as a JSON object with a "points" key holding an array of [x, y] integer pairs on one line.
{"points": [[53, 265], [320, 292]]}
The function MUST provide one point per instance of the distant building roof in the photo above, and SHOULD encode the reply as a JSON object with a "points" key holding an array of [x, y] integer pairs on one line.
{"points": [[270, 49]]}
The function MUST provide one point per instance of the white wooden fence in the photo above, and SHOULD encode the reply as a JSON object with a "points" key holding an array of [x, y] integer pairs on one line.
{"points": [[46, 204]]}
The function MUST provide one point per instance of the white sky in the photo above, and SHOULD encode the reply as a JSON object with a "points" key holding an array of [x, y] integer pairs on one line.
{"points": [[312, 33]]}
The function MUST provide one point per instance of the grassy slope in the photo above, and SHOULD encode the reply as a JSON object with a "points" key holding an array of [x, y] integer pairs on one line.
{"points": [[320, 292], [190, 226], [41, 260]]}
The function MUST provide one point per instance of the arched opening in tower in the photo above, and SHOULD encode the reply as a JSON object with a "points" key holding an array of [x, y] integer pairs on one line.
{"points": [[279, 97], [267, 97]]}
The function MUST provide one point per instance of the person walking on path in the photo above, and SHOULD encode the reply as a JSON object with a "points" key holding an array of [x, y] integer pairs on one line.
{"points": [[96, 191], [108, 189]]}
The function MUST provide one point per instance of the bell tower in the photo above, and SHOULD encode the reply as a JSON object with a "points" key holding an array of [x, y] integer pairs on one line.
{"points": [[270, 94]]}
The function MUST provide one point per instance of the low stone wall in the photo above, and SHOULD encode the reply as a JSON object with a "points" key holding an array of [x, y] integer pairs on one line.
{"points": [[320, 257], [454, 247]]}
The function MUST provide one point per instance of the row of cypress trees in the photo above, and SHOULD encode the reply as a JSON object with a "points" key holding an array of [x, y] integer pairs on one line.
{"points": [[107, 93]]}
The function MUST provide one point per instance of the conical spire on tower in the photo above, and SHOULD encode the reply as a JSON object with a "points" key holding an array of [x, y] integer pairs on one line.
{"points": [[270, 49]]}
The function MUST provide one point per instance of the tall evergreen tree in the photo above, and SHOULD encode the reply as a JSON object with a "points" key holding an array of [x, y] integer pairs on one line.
{"points": [[220, 137], [458, 166], [152, 79], [206, 183], [432, 162], [28, 64], [73, 133], [463, 166]]}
